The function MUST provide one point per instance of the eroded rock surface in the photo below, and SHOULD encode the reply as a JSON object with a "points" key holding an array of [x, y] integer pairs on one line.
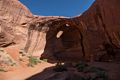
{"points": [[84, 37], [89, 36], [13, 19]]}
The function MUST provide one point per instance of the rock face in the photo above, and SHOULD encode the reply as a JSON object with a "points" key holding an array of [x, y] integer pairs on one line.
{"points": [[91, 36], [94, 35], [100, 24], [37, 34], [13, 19]]}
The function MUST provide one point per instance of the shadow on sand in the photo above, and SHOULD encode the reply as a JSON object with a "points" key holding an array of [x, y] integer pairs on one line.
{"points": [[49, 74], [42, 75]]}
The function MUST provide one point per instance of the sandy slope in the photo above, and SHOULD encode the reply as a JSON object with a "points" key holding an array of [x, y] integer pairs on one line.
{"points": [[21, 73], [43, 71]]}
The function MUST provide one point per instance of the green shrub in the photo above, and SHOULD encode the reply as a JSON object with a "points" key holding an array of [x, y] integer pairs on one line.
{"points": [[100, 73], [81, 66], [85, 68], [33, 61], [5, 58], [93, 69]]}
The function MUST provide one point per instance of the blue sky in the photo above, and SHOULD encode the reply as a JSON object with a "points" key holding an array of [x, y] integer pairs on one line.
{"points": [[57, 7]]}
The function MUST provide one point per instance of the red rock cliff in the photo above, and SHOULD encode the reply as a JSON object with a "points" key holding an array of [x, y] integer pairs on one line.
{"points": [[99, 24], [83, 36], [13, 19], [97, 27]]}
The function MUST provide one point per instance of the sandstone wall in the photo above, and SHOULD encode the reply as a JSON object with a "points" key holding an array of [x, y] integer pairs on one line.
{"points": [[99, 24], [13, 19], [13, 11]]}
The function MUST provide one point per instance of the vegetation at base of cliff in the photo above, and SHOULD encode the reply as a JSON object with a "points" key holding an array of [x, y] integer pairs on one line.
{"points": [[6, 59], [83, 70], [99, 73], [81, 66], [33, 61]]}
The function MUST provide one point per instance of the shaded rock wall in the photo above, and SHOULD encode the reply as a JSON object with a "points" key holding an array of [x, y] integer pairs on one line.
{"points": [[99, 24]]}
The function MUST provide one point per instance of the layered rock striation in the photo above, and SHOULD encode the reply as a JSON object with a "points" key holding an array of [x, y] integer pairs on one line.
{"points": [[13, 19]]}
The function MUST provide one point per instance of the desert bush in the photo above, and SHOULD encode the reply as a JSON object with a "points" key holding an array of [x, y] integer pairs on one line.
{"points": [[81, 66], [99, 73], [5, 58], [93, 69], [33, 61]]}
